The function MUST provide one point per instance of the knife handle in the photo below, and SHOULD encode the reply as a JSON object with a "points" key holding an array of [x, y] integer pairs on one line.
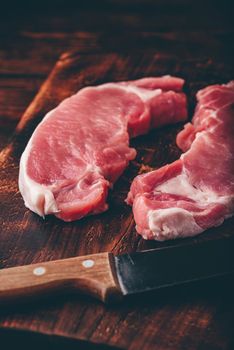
{"points": [[91, 274]]}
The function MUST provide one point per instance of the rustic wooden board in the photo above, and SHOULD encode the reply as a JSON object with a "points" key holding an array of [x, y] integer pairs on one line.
{"points": [[27, 57], [194, 320]]}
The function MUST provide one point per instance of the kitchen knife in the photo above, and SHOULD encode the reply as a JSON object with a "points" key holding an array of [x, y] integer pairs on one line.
{"points": [[108, 277]]}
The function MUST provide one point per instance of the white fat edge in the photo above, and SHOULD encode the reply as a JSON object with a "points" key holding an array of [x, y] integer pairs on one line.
{"points": [[172, 223], [143, 93], [38, 198], [180, 185], [178, 220]]}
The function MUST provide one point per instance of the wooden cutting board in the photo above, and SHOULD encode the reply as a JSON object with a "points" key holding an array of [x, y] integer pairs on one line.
{"points": [[174, 321]]}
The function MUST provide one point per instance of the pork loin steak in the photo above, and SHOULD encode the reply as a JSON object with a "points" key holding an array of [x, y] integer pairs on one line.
{"points": [[197, 191], [81, 147]]}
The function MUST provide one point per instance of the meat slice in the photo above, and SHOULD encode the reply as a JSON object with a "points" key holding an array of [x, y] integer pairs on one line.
{"points": [[195, 192], [82, 147]]}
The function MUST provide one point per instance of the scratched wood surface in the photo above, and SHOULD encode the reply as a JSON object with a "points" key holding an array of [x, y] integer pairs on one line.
{"points": [[194, 320]]}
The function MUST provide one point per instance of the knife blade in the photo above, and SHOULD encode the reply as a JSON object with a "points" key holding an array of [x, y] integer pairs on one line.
{"points": [[108, 277], [174, 265]]}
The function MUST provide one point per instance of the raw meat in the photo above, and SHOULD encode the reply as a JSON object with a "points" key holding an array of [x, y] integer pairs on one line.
{"points": [[82, 147], [197, 191]]}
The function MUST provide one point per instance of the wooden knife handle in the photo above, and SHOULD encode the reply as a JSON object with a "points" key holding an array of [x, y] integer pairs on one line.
{"points": [[90, 274]]}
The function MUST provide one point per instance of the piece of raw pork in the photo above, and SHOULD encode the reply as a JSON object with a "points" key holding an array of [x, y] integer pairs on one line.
{"points": [[82, 147], [197, 191]]}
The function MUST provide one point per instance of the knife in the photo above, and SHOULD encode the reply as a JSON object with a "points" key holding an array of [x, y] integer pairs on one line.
{"points": [[108, 277]]}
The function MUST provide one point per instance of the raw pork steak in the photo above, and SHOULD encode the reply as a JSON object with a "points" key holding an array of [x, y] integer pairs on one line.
{"points": [[81, 147], [197, 191]]}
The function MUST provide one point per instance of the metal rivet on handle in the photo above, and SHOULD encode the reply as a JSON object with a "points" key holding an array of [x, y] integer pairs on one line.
{"points": [[38, 271], [88, 263]]}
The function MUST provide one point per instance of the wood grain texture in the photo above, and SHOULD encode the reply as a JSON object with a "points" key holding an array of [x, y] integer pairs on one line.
{"points": [[64, 275], [26, 57], [34, 35], [197, 320]]}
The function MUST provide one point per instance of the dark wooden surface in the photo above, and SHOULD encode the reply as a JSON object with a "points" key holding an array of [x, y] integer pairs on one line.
{"points": [[113, 43]]}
